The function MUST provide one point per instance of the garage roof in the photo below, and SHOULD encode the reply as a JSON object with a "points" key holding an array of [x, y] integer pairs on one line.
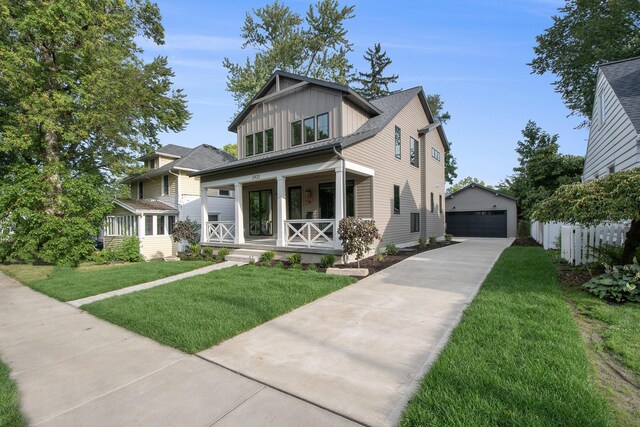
{"points": [[482, 187]]}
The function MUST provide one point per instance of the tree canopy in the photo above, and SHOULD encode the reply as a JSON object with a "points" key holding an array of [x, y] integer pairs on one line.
{"points": [[464, 182], [77, 105], [436, 105], [231, 148], [374, 84], [314, 46], [585, 34], [613, 198]]}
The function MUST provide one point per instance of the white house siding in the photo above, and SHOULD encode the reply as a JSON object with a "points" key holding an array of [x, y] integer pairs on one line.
{"points": [[434, 183], [378, 153], [278, 114], [613, 142], [152, 247]]}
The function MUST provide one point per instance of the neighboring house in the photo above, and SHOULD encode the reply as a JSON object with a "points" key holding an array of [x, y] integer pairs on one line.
{"points": [[166, 194], [312, 152], [478, 211], [614, 144]]}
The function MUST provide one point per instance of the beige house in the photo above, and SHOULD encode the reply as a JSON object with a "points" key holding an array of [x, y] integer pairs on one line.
{"points": [[313, 152], [164, 194]]}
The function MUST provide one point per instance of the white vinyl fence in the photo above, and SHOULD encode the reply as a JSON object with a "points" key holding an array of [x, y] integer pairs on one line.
{"points": [[577, 243]]}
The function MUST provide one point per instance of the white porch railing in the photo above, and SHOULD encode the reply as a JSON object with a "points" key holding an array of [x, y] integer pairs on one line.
{"points": [[310, 232], [221, 231]]}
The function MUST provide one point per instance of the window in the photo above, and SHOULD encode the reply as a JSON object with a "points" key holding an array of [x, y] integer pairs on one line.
{"points": [[435, 154], [160, 225], [213, 216], [602, 115], [415, 222], [249, 144], [432, 204], [165, 185], [140, 190], [224, 193], [309, 129], [171, 223], [351, 197], [440, 203], [151, 164], [296, 133], [612, 168], [414, 152], [398, 142], [259, 139], [148, 225], [396, 199], [268, 136], [323, 126]]}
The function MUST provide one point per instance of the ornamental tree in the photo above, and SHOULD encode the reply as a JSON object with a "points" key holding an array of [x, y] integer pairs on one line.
{"points": [[613, 198], [357, 235]]}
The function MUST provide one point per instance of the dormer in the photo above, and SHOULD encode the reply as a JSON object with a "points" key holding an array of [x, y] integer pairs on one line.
{"points": [[164, 155], [292, 110]]}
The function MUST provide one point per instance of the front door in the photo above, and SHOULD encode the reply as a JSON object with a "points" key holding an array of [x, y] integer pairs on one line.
{"points": [[260, 213]]}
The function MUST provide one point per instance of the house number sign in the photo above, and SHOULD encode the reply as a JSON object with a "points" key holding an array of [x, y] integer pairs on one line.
{"points": [[255, 177]]}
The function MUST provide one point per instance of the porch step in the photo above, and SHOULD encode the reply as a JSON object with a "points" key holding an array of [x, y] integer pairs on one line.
{"points": [[244, 255]]}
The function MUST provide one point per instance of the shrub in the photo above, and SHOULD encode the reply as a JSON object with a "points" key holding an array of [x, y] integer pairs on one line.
{"points": [[432, 240], [610, 254], [188, 230], [312, 267], [279, 264], [523, 229], [126, 251], [422, 243], [194, 249], [267, 257], [207, 252], [357, 235], [617, 284], [222, 253], [448, 237], [379, 256], [295, 259], [327, 260], [390, 249]]}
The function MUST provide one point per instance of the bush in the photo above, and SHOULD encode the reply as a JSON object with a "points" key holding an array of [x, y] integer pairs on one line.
{"points": [[448, 237], [618, 284], [390, 249], [194, 249], [280, 265], [126, 251], [327, 260], [222, 253], [432, 240], [422, 243], [357, 235], [610, 254], [188, 230], [207, 252], [379, 256], [312, 267], [267, 257], [523, 229], [295, 259]]}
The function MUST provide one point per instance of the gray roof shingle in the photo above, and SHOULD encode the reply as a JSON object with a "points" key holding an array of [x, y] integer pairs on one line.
{"points": [[624, 78], [174, 150], [145, 205]]}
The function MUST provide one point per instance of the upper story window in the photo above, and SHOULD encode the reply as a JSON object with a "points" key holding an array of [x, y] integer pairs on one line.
{"points": [[309, 129], [398, 142], [153, 163], [414, 152], [268, 136], [140, 190], [248, 142], [323, 126], [296, 133], [396, 199], [435, 154], [259, 142], [165, 185]]}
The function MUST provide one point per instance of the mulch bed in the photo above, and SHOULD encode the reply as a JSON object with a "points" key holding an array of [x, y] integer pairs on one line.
{"points": [[571, 276], [525, 241]]}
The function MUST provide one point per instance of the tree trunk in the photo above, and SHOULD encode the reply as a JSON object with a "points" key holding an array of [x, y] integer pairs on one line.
{"points": [[631, 243], [52, 177]]}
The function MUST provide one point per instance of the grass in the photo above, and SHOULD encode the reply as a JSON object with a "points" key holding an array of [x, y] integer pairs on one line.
{"points": [[516, 358], [67, 284], [196, 313], [10, 415]]}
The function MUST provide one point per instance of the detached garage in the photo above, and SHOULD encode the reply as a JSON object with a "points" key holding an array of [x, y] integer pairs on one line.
{"points": [[478, 211]]}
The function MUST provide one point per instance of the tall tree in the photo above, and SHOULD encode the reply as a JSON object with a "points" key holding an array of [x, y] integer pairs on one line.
{"points": [[541, 170], [374, 84], [315, 46], [585, 34], [464, 182], [77, 106], [231, 148], [436, 105]]}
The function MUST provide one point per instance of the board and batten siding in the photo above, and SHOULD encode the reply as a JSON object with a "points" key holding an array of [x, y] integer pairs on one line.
{"points": [[614, 142], [378, 153], [352, 117], [278, 114]]}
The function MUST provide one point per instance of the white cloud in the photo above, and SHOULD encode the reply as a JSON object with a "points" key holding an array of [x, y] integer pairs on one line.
{"points": [[194, 42]]}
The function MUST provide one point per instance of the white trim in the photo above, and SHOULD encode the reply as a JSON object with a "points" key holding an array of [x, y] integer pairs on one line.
{"points": [[271, 175], [178, 168], [355, 167]]}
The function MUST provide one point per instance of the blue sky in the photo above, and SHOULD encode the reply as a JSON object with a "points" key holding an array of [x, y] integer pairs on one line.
{"points": [[472, 52]]}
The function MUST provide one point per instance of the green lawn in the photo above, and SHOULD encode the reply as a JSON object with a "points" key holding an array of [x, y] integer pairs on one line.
{"points": [[196, 313], [516, 358], [10, 415], [67, 284]]}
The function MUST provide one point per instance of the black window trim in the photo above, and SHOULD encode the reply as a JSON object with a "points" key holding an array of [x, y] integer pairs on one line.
{"points": [[396, 210], [433, 207], [414, 222], [304, 130], [328, 127], [397, 142], [291, 144], [415, 147]]}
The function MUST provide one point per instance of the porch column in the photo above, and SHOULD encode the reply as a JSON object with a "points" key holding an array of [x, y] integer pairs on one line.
{"points": [[281, 211], [239, 238], [339, 204], [204, 214], [140, 227]]}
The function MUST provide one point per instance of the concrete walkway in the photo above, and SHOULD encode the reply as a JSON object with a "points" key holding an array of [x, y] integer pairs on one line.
{"points": [[73, 369], [361, 352], [143, 286]]}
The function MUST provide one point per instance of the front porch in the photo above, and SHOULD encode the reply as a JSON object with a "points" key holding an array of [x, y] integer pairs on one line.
{"points": [[291, 210]]}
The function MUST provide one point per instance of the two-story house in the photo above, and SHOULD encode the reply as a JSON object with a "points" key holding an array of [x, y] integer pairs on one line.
{"points": [[164, 194], [614, 141], [312, 152]]}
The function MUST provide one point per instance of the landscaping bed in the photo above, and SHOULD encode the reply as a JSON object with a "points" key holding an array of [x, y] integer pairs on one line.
{"points": [[10, 415], [68, 284], [516, 358], [195, 313]]}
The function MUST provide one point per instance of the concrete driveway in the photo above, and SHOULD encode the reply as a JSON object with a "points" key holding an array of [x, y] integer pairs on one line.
{"points": [[361, 352]]}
